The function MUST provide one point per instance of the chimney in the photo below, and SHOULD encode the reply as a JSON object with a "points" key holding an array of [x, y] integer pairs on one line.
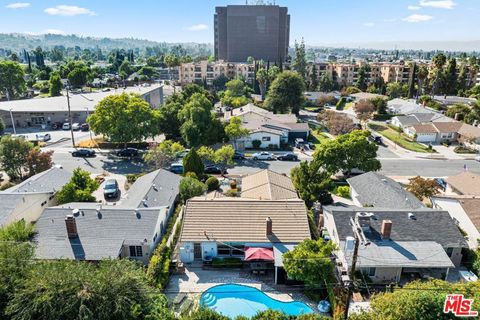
{"points": [[269, 231], [386, 229], [71, 227]]}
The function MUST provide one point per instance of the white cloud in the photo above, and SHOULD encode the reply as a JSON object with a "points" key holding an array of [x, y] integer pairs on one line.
{"points": [[414, 8], [18, 5], [64, 10], [197, 27], [418, 18], [369, 24], [441, 4], [54, 31]]}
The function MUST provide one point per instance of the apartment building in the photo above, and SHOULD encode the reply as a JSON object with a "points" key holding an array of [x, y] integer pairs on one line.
{"points": [[208, 71]]}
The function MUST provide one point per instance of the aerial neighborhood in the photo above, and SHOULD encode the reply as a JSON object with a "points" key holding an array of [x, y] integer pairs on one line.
{"points": [[257, 177]]}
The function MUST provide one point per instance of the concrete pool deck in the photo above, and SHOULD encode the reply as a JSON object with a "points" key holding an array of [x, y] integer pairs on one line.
{"points": [[195, 281]]}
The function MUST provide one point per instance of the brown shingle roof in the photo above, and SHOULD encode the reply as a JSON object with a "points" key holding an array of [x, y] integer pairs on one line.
{"points": [[447, 127], [469, 131], [465, 183], [242, 220], [268, 185], [424, 128], [472, 209]]}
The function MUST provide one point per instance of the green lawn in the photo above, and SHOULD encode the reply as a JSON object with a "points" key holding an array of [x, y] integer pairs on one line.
{"points": [[399, 138], [317, 137]]}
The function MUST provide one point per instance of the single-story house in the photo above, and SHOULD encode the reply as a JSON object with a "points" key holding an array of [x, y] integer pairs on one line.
{"points": [[92, 232], [375, 190], [268, 185], [465, 183], [28, 199], [435, 132], [405, 107], [469, 135], [394, 243], [239, 227], [272, 130], [451, 100], [46, 111], [366, 96], [465, 212], [419, 118]]}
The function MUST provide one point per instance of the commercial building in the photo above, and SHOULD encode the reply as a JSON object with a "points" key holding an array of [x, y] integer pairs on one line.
{"points": [[45, 111], [258, 31], [205, 71]]}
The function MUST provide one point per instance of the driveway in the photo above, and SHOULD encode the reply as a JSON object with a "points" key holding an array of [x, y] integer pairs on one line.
{"points": [[98, 194]]}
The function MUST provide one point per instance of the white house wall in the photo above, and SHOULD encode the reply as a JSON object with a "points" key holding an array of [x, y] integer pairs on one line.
{"points": [[31, 207], [274, 139]]}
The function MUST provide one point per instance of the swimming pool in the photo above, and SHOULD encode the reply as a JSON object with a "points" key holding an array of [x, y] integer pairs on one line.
{"points": [[234, 300]]}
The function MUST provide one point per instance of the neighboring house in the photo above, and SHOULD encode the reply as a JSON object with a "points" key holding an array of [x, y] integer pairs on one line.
{"points": [[395, 244], [272, 130], [404, 122], [469, 135], [436, 132], [238, 227], [90, 231], [268, 185], [405, 107], [375, 190], [465, 212], [450, 100], [366, 96], [28, 199], [465, 183]]}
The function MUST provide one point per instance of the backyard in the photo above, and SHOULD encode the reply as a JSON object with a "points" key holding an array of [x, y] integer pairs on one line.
{"points": [[399, 138], [317, 137]]}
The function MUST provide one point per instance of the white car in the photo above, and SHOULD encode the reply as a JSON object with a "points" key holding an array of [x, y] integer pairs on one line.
{"points": [[44, 137], [66, 126], [263, 156], [76, 126]]}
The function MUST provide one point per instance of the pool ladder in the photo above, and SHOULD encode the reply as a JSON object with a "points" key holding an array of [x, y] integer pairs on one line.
{"points": [[209, 299]]}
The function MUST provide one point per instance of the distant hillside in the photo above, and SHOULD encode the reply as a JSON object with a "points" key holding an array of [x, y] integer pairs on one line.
{"points": [[455, 46], [18, 42]]}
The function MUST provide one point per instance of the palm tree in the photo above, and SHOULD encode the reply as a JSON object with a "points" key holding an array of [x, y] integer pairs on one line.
{"points": [[421, 76]]}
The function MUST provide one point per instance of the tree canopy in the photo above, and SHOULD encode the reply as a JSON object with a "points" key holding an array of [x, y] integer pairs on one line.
{"points": [[286, 93], [124, 118], [193, 163], [191, 187], [79, 189], [12, 83], [423, 188], [312, 183], [13, 156]]}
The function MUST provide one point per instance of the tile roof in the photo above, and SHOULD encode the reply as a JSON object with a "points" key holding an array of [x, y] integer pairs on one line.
{"points": [[100, 236], [428, 225], [465, 183], [424, 128], [50, 180], [155, 189], [377, 190], [268, 185], [472, 209], [469, 131], [243, 220]]}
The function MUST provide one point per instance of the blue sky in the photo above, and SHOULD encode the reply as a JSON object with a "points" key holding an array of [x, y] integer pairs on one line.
{"points": [[318, 21]]}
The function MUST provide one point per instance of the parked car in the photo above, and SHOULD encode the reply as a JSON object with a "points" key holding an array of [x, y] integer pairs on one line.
{"points": [[238, 156], [57, 125], [376, 139], [84, 127], [213, 169], [299, 142], [76, 126], [44, 137], [263, 156], [128, 152], [66, 126], [182, 154], [287, 157], [111, 190], [84, 153], [176, 168]]}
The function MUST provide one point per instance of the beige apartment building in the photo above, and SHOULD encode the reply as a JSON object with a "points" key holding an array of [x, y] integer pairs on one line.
{"points": [[208, 71]]}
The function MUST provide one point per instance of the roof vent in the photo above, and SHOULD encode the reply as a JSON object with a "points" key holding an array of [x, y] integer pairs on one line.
{"points": [[412, 216], [137, 213], [144, 201], [154, 187], [75, 212], [384, 180]]}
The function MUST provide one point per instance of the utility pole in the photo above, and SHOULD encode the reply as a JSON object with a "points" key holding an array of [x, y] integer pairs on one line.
{"points": [[70, 117]]}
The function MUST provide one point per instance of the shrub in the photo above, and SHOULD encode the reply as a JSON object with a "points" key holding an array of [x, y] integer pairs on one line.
{"points": [[231, 193], [212, 184], [341, 103], [343, 191], [256, 144], [132, 177], [226, 262], [192, 175], [190, 187], [464, 150]]}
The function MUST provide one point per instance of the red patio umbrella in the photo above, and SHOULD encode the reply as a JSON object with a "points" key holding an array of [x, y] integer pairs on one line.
{"points": [[259, 254]]}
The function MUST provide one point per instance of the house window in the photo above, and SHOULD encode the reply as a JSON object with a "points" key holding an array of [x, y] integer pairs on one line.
{"points": [[239, 250], [371, 272], [265, 138], [223, 250], [136, 251]]}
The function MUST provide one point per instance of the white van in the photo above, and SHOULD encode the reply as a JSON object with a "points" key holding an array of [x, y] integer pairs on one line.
{"points": [[66, 126]]}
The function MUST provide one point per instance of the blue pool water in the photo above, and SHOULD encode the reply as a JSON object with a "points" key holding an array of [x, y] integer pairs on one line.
{"points": [[234, 300]]}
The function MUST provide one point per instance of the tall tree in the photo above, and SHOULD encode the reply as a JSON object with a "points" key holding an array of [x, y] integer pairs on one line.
{"points": [[313, 83], [12, 83], [193, 163], [164, 154], [55, 85], [168, 121], [13, 156], [325, 84], [286, 93], [422, 77], [411, 80], [78, 77], [362, 80], [124, 118], [78, 189], [312, 181], [38, 161], [234, 130], [451, 85], [300, 61]]}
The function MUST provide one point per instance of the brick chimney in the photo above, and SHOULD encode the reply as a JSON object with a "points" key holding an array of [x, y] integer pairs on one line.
{"points": [[386, 229], [71, 225], [269, 230]]}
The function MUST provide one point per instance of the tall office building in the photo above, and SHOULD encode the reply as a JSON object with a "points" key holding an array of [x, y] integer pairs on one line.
{"points": [[258, 31]]}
